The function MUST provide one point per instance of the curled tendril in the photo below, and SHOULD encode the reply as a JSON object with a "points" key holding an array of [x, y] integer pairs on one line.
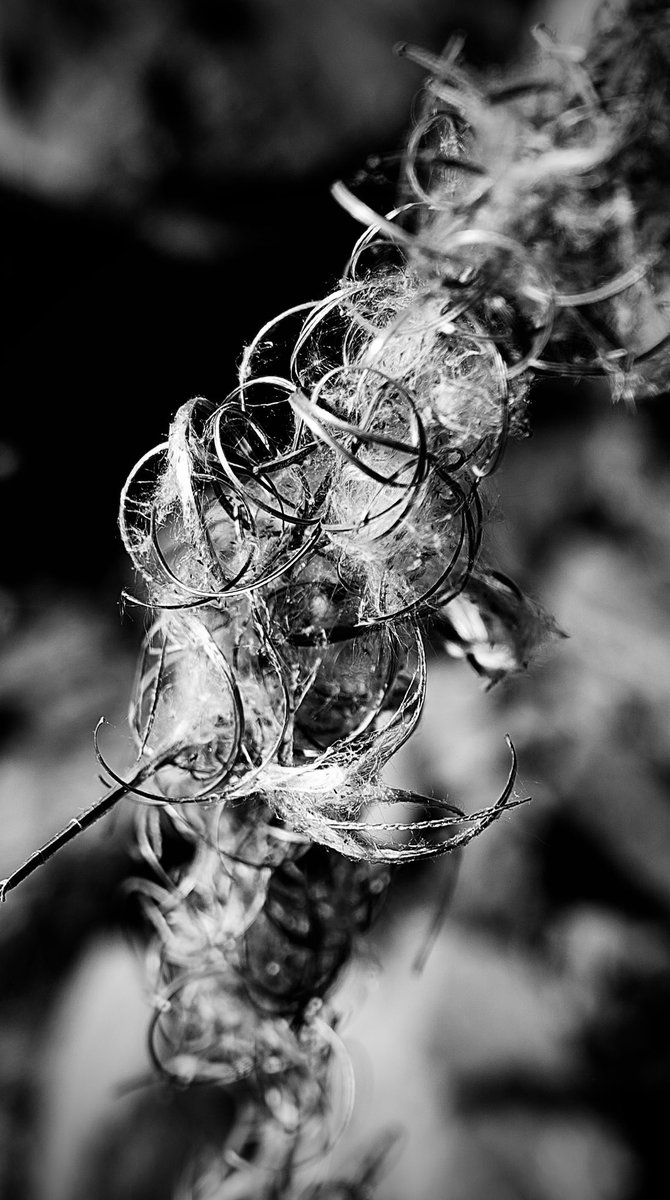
{"points": [[299, 541], [297, 544]]}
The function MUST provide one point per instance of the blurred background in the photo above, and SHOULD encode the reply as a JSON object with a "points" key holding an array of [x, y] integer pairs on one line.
{"points": [[164, 189]]}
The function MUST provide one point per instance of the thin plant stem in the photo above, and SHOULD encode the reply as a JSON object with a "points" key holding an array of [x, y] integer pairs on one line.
{"points": [[79, 824]]}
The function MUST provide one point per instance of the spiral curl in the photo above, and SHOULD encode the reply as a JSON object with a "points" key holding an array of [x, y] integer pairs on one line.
{"points": [[296, 545]]}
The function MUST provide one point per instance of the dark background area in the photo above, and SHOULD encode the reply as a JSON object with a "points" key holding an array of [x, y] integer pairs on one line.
{"points": [[164, 191]]}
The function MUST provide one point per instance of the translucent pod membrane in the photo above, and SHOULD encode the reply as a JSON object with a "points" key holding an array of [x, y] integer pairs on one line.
{"points": [[494, 626], [341, 674], [211, 686]]}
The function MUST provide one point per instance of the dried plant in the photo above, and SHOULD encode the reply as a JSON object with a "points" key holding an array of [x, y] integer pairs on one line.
{"points": [[297, 544]]}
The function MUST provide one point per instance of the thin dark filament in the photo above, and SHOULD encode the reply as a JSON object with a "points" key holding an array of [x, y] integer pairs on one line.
{"points": [[78, 825]]}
